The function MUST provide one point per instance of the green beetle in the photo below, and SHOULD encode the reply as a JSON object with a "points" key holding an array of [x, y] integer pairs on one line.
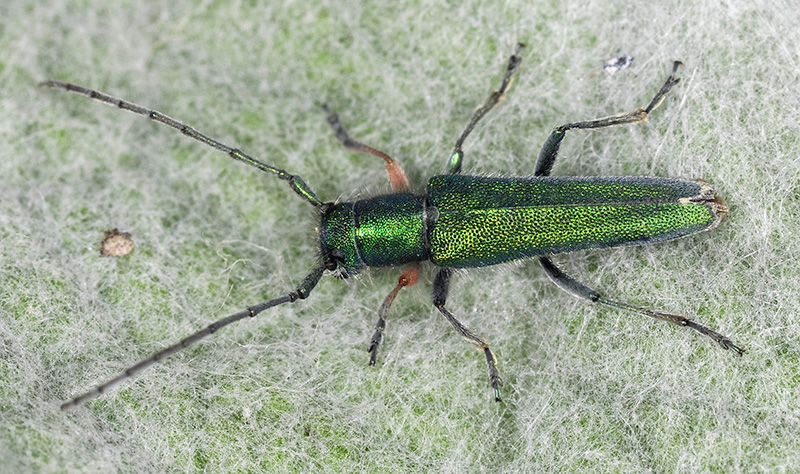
{"points": [[472, 221]]}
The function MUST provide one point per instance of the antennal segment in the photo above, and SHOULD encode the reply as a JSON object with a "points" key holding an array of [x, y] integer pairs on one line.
{"points": [[301, 293], [295, 182]]}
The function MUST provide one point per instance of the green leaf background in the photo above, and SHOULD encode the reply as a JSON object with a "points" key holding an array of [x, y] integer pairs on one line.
{"points": [[588, 389]]}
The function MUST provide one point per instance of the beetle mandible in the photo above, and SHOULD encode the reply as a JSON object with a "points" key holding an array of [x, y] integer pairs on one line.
{"points": [[473, 221]]}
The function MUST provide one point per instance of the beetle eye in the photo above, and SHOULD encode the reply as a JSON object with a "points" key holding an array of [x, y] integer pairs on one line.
{"points": [[336, 260], [336, 264]]}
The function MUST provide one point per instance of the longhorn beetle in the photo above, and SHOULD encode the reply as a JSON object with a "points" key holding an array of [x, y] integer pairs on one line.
{"points": [[473, 221]]}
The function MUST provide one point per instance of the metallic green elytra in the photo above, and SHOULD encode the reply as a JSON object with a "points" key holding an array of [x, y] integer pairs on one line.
{"points": [[473, 221], [483, 221]]}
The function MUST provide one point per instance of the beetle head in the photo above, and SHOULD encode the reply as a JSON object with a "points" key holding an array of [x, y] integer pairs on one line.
{"points": [[337, 240]]}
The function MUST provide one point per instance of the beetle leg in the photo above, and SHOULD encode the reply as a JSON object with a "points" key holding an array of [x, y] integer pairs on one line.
{"points": [[549, 152], [457, 156], [576, 288], [408, 278], [441, 286], [397, 177]]}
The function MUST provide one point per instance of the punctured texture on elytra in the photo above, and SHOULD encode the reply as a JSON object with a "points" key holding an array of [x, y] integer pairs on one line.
{"points": [[484, 221]]}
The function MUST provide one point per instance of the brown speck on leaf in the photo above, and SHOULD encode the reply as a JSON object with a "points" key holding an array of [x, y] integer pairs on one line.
{"points": [[116, 243]]}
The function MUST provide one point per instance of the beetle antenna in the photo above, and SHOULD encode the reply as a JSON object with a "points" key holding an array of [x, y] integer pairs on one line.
{"points": [[301, 293], [295, 182]]}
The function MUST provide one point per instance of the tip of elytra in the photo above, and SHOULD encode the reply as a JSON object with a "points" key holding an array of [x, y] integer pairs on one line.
{"points": [[708, 195], [720, 204]]}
